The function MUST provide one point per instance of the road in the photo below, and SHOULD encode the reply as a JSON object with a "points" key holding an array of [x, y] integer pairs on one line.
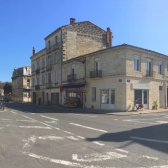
{"points": [[35, 137]]}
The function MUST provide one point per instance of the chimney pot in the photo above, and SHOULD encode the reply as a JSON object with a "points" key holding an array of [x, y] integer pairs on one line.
{"points": [[109, 38], [72, 21], [34, 51]]}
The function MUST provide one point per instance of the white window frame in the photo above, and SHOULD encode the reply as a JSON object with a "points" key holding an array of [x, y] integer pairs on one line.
{"points": [[93, 93], [97, 61], [136, 62], [160, 67], [56, 77], [73, 67]]}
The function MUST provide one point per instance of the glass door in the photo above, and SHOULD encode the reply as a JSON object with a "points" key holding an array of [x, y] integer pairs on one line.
{"points": [[145, 98]]}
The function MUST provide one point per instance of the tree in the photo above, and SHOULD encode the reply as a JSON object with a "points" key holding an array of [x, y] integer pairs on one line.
{"points": [[7, 88]]}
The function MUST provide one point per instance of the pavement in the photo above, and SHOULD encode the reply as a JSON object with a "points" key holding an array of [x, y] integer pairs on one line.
{"points": [[99, 111], [37, 137]]}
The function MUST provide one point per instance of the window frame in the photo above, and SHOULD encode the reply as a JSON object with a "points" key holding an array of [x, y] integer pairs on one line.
{"points": [[160, 68], [137, 65]]}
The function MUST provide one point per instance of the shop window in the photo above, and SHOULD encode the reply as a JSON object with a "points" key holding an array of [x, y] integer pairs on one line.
{"points": [[105, 96], [137, 63], [93, 94], [138, 96]]}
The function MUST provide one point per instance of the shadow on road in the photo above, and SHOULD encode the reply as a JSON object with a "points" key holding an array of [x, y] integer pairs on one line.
{"points": [[155, 137]]}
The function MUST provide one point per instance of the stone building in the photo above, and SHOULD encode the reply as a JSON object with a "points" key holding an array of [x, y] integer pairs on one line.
{"points": [[66, 42], [21, 84], [116, 78]]}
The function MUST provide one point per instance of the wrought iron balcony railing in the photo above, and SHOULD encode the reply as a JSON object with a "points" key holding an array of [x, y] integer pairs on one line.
{"points": [[49, 67], [71, 77], [96, 74], [38, 71]]}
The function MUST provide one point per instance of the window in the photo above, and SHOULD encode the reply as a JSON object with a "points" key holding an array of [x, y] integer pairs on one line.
{"points": [[56, 40], [56, 57], [73, 69], [137, 63], [112, 96], [43, 79], [56, 77], [149, 67], [160, 67], [105, 97], [33, 68], [28, 83], [97, 65], [38, 65], [38, 81], [43, 63], [49, 44], [49, 60], [94, 93]]}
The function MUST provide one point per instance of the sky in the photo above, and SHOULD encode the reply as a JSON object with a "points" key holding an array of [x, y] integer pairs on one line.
{"points": [[25, 23]]}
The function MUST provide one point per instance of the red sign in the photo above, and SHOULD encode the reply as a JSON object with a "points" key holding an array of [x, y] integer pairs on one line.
{"points": [[61, 89], [84, 91]]}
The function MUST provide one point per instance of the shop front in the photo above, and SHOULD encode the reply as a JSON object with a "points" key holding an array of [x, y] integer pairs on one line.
{"points": [[73, 95]]}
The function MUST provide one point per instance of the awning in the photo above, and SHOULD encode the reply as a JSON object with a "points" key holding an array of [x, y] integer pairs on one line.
{"points": [[74, 85]]}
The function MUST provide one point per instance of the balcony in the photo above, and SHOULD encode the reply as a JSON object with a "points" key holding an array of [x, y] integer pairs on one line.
{"points": [[37, 87], [149, 73], [48, 85], [71, 77], [48, 50], [37, 71], [56, 46], [49, 67], [96, 74]]}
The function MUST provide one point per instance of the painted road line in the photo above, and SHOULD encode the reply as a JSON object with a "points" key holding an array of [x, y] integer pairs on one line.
{"points": [[140, 122], [25, 121], [85, 115], [62, 162], [81, 137], [28, 118], [162, 122], [88, 127], [35, 127], [13, 112], [32, 113], [5, 119], [49, 118], [149, 157], [121, 150], [72, 138], [150, 140], [94, 157], [68, 132], [115, 119], [98, 143]]}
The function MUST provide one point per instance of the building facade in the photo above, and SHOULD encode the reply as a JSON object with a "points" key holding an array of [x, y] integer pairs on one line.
{"points": [[65, 43], [21, 84], [117, 78]]}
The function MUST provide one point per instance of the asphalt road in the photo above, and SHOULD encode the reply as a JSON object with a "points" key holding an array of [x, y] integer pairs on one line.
{"points": [[35, 137]]}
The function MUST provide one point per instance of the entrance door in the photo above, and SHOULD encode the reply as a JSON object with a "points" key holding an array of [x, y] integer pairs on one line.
{"points": [[141, 97], [107, 99], [55, 98], [34, 97]]}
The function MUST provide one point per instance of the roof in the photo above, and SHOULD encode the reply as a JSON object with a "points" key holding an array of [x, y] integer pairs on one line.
{"points": [[68, 25]]}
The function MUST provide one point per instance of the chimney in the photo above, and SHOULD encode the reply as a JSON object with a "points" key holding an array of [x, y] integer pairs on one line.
{"points": [[109, 38], [34, 51], [72, 21]]}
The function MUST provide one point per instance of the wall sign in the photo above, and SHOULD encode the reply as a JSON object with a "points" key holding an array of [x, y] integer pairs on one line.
{"points": [[141, 86]]}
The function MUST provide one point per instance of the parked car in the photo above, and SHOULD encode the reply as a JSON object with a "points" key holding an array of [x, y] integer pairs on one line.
{"points": [[5, 99]]}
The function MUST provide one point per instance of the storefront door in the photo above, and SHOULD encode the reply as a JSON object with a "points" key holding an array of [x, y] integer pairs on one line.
{"points": [[107, 99], [141, 97]]}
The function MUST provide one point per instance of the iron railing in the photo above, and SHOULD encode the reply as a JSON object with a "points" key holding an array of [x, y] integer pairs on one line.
{"points": [[96, 74], [71, 77]]}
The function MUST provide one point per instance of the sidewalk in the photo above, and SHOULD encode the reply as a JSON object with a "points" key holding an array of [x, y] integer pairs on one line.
{"points": [[99, 111]]}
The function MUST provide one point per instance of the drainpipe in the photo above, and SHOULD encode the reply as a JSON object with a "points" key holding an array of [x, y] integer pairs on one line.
{"points": [[61, 66]]}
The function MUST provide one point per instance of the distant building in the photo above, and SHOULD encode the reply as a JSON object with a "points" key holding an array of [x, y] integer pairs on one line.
{"points": [[21, 84]]}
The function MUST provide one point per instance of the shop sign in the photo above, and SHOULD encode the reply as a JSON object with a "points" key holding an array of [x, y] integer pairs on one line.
{"points": [[84, 91], [73, 89]]}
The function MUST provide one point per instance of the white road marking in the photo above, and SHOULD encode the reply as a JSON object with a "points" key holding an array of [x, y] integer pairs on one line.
{"points": [[26, 120], [150, 158], [98, 143], [162, 122], [85, 115], [140, 122], [35, 127], [94, 157], [68, 132], [121, 150], [5, 119], [72, 138], [51, 137], [88, 127], [126, 120], [115, 119], [49, 117], [163, 166], [30, 140], [63, 162], [81, 137], [13, 112], [150, 140], [1, 127], [32, 113]]}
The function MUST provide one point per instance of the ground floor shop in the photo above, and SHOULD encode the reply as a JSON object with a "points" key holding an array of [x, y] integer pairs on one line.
{"points": [[121, 94], [72, 95]]}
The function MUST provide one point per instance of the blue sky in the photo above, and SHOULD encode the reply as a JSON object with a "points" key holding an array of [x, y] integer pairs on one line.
{"points": [[25, 23]]}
